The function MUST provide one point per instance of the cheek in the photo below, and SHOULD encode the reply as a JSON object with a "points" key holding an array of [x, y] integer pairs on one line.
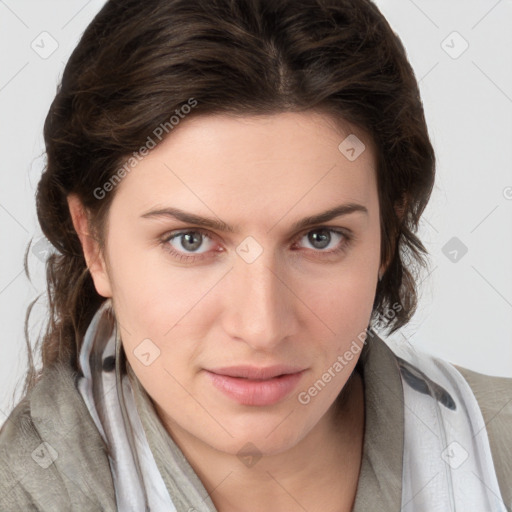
{"points": [[344, 297], [165, 366], [144, 288], [161, 384], [147, 279], [342, 310]]}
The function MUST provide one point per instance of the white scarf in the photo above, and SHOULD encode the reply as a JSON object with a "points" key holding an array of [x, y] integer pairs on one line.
{"points": [[447, 464], [138, 483], [447, 461]]}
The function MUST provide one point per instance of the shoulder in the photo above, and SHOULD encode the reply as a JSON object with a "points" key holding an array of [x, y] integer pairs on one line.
{"points": [[494, 396], [15, 431], [51, 454]]}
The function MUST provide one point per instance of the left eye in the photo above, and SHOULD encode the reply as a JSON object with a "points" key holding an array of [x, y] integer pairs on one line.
{"points": [[322, 236]]}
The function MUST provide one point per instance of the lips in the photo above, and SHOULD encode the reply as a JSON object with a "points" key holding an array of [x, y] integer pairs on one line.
{"points": [[254, 372], [249, 385]]}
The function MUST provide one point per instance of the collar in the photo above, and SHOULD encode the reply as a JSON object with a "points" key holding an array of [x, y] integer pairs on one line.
{"points": [[380, 478]]}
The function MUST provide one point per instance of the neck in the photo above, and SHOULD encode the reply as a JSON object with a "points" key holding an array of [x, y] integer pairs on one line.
{"points": [[319, 473]]}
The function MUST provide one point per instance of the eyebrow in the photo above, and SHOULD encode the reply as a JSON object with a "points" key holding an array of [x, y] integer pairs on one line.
{"points": [[219, 225]]}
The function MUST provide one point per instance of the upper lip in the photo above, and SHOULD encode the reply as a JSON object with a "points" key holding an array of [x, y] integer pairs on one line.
{"points": [[255, 372]]}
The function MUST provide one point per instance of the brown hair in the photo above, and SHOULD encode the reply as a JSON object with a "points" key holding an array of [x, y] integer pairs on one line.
{"points": [[138, 62]]}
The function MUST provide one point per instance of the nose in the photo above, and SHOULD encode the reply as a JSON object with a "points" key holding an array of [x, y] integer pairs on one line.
{"points": [[258, 305]]}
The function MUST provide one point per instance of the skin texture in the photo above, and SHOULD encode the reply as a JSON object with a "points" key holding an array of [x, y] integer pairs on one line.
{"points": [[293, 304]]}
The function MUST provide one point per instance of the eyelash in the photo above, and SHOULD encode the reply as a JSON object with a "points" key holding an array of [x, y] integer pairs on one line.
{"points": [[342, 247]]}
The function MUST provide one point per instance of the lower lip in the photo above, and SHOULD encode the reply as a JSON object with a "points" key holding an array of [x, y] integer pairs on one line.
{"points": [[256, 392]]}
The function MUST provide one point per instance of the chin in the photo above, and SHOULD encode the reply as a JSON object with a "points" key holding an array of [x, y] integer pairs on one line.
{"points": [[263, 439]]}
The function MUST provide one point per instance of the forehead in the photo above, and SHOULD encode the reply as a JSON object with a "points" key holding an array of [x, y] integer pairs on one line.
{"points": [[256, 163], [287, 134]]}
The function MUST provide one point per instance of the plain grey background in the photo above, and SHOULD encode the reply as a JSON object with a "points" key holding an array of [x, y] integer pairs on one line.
{"points": [[461, 52]]}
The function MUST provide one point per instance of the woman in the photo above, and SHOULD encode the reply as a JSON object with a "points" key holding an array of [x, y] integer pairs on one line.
{"points": [[233, 189]]}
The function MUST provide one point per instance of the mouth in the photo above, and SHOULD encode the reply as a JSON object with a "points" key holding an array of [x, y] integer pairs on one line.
{"points": [[252, 388]]}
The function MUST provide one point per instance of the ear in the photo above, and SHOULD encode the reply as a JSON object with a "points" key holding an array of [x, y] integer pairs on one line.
{"points": [[93, 257]]}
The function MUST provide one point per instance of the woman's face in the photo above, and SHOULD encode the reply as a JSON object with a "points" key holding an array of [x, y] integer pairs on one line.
{"points": [[270, 290]]}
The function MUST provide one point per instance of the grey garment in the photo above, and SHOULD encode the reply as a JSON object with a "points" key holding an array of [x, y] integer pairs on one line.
{"points": [[380, 479], [52, 457], [494, 396], [79, 478]]}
